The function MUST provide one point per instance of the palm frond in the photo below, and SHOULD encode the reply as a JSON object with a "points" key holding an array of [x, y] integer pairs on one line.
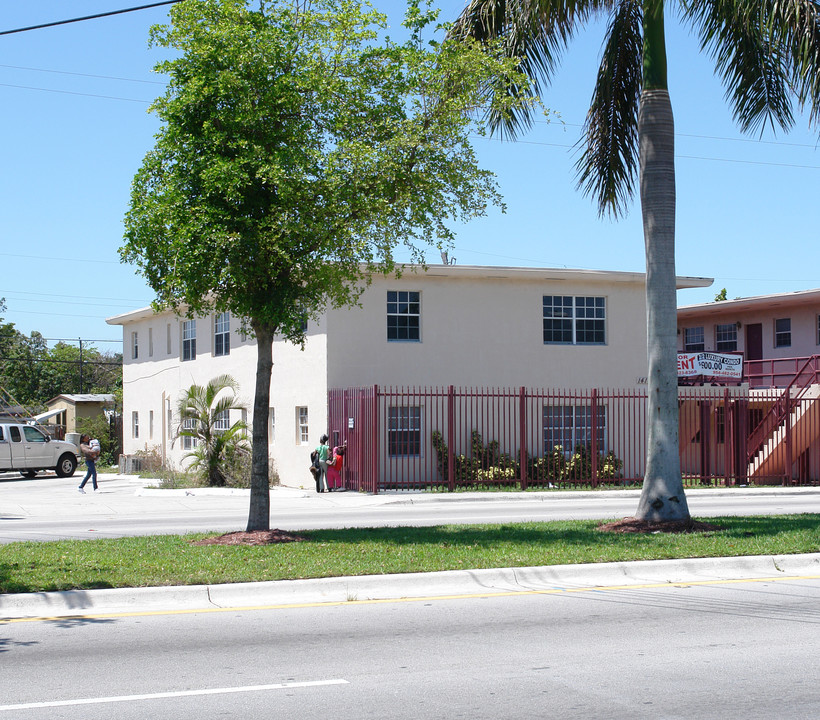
{"points": [[608, 164], [534, 32], [795, 26], [747, 41]]}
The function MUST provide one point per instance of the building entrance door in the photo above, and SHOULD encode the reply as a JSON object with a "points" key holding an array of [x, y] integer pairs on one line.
{"points": [[754, 341]]}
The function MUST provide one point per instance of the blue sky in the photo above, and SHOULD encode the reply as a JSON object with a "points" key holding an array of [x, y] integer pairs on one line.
{"points": [[75, 128]]}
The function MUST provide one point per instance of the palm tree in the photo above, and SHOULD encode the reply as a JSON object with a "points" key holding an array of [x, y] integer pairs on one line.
{"points": [[768, 55], [203, 418]]}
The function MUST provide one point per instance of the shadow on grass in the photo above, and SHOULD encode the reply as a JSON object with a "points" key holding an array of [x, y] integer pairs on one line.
{"points": [[557, 532]]}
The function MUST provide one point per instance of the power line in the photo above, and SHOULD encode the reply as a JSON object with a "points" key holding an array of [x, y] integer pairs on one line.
{"points": [[85, 75], [69, 92], [87, 17]]}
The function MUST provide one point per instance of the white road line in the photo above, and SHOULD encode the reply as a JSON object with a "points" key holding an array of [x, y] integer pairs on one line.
{"points": [[178, 694]]}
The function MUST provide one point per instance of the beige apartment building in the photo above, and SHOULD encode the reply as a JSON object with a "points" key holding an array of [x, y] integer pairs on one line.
{"points": [[450, 325]]}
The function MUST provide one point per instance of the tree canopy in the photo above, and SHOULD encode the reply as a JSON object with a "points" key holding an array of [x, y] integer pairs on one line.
{"points": [[299, 148]]}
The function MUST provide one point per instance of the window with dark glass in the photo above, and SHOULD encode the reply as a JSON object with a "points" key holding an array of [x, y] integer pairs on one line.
{"points": [[403, 315], [783, 332], [693, 339], [568, 426], [222, 334], [404, 431], [189, 340], [726, 337], [574, 320]]}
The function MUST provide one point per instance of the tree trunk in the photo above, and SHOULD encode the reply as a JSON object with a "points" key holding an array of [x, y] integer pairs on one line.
{"points": [[662, 498], [259, 512]]}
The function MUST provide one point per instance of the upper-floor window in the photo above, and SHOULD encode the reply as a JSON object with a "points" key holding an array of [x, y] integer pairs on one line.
{"points": [[403, 315], [783, 332], [189, 339], [135, 345], [168, 339], [818, 329], [726, 337], [693, 339], [574, 320], [222, 334], [150, 342]]}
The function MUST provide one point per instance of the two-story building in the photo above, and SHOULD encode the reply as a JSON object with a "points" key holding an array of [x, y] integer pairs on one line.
{"points": [[774, 430], [465, 326]]}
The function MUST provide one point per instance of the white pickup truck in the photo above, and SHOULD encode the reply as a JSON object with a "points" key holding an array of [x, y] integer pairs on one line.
{"points": [[27, 449]]}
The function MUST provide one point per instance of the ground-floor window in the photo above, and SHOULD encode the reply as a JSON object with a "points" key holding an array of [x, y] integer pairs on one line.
{"points": [[302, 428], [404, 431], [189, 442], [135, 424], [568, 426]]}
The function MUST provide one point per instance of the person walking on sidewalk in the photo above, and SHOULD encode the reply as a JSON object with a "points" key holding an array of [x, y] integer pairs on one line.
{"points": [[90, 455]]}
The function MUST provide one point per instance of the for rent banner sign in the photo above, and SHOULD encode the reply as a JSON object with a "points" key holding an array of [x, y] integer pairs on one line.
{"points": [[708, 364]]}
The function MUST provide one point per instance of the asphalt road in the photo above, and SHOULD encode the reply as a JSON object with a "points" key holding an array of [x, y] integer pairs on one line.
{"points": [[743, 649], [50, 508]]}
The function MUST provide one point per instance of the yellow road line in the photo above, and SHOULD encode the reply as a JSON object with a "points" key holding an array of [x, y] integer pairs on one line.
{"points": [[424, 598]]}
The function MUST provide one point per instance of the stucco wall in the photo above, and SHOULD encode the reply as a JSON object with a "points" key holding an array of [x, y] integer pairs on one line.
{"points": [[487, 331]]}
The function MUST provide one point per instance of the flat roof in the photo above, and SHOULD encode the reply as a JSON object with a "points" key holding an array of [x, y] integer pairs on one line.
{"points": [[757, 302], [493, 273]]}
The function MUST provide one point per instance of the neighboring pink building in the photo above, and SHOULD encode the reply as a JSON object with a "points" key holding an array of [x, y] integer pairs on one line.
{"points": [[772, 434], [766, 327]]}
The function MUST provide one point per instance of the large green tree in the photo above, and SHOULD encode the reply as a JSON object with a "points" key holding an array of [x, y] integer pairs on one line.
{"points": [[298, 149], [768, 55]]}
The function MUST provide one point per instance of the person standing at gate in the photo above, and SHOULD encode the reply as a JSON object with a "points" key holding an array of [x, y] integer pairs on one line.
{"points": [[334, 469], [323, 450]]}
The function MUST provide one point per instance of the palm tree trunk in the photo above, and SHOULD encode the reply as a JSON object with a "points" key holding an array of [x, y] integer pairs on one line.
{"points": [[259, 511], [662, 498]]}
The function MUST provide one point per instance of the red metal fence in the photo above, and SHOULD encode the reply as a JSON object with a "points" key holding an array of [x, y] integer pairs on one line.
{"points": [[458, 438]]}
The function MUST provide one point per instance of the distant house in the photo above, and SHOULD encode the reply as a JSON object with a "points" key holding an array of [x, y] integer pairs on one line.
{"points": [[463, 326], [66, 410]]}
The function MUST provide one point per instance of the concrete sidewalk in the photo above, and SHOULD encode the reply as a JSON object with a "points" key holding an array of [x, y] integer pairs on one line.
{"points": [[554, 579]]}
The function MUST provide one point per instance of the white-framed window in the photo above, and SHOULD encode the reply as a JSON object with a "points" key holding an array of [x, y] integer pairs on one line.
{"points": [[571, 320], [222, 421], [404, 431], [188, 340], [404, 315], [568, 426], [150, 424], [150, 342], [783, 332], [302, 428], [271, 425], [188, 442], [170, 416], [135, 345], [222, 334], [726, 337], [135, 424], [693, 339]]}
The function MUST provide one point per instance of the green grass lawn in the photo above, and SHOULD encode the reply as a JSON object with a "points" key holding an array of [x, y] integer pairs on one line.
{"points": [[174, 560]]}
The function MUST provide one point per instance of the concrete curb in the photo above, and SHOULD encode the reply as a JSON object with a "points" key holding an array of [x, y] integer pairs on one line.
{"points": [[548, 579]]}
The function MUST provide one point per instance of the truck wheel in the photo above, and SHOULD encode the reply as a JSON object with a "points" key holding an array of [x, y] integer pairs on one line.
{"points": [[28, 473], [66, 466]]}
